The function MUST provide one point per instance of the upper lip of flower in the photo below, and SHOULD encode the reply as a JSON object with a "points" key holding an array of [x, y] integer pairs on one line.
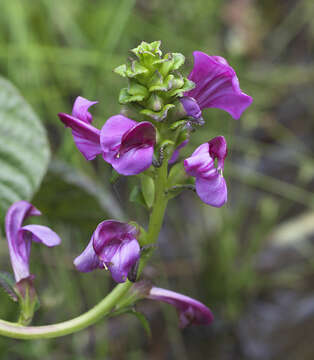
{"points": [[217, 85]]}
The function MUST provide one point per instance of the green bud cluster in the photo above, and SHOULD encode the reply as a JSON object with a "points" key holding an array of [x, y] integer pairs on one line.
{"points": [[154, 80]]}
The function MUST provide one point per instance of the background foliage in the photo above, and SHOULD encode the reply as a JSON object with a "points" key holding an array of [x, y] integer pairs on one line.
{"points": [[251, 261]]}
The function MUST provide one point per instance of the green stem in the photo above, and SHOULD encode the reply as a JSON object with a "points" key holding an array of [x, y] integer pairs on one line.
{"points": [[14, 330], [160, 204]]}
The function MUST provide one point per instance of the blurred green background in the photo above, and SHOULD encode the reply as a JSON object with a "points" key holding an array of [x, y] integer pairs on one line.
{"points": [[250, 261]]}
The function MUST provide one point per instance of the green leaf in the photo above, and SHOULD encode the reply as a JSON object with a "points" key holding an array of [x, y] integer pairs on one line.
{"points": [[148, 190], [142, 318], [130, 70], [7, 282], [136, 196], [24, 148]]}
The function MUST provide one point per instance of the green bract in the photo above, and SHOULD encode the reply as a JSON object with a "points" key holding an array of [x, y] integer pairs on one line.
{"points": [[154, 80]]}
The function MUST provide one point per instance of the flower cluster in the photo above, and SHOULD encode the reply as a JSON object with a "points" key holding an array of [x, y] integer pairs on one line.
{"points": [[161, 108], [165, 106]]}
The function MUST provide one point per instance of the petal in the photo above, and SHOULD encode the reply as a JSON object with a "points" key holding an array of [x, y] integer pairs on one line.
{"points": [[108, 236], [217, 85], [42, 234], [86, 136], [218, 149], [80, 109], [142, 134], [191, 107], [123, 260], [88, 260], [200, 162], [212, 191], [19, 248], [112, 133], [134, 161], [190, 310]]}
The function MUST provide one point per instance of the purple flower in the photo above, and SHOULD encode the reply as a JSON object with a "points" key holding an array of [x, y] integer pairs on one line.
{"points": [[127, 145], [113, 246], [190, 311], [217, 86], [210, 184], [124, 143], [19, 237]]}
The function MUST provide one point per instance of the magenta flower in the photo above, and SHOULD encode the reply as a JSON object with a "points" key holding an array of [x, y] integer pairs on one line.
{"points": [[210, 184], [20, 237], [127, 145], [113, 246], [176, 151], [217, 86], [190, 310], [124, 143]]}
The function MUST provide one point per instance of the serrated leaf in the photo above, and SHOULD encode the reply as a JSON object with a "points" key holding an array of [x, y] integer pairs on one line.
{"points": [[125, 97], [24, 148], [7, 282]]}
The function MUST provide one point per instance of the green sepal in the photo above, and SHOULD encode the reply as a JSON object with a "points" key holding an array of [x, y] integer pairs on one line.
{"points": [[136, 196], [178, 124], [131, 70], [7, 282], [28, 300], [135, 92], [155, 102], [178, 179], [158, 115], [172, 62], [188, 85], [148, 189], [164, 85], [148, 49]]}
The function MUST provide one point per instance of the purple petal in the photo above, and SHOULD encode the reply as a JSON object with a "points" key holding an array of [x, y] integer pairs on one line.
{"points": [[218, 149], [217, 85], [116, 246], [190, 310], [42, 234], [191, 107], [200, 163], [111, 135], [134, 161], [212, 191], [86, 136], [128, 145], [80, 109], [142, 134], [176, 152], [124, 258], [108, 237], [18, 248], [88, 260]]}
